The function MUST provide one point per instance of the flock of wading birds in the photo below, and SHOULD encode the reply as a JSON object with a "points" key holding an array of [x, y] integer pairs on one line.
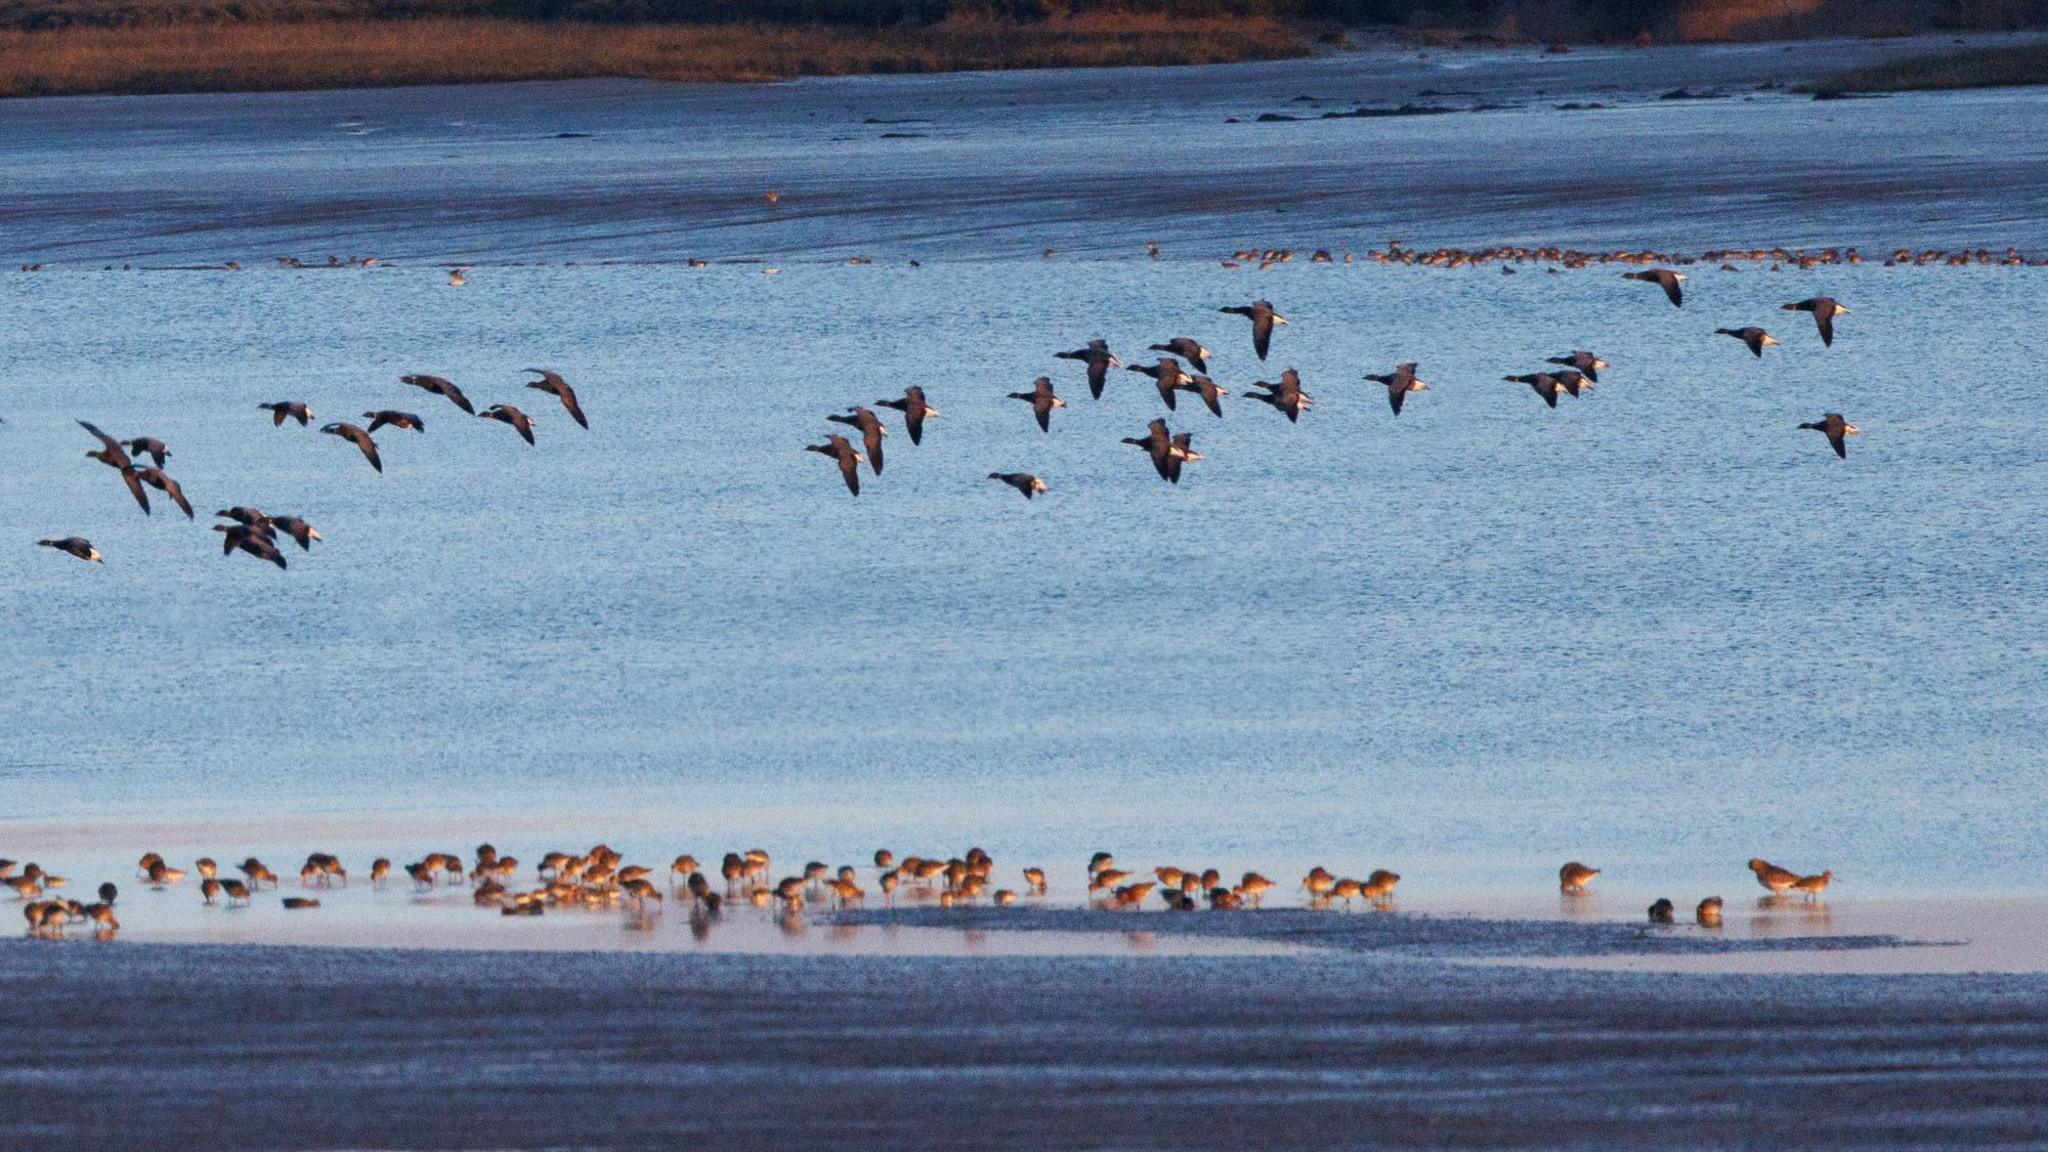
{"points": [[600, 878], [255, 532]]}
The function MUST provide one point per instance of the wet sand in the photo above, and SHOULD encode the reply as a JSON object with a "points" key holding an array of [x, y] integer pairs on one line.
{"points": [[199, 1047]]}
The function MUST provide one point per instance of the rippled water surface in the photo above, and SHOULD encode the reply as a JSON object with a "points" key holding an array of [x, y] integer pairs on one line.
{"points": [[1659, 627]]}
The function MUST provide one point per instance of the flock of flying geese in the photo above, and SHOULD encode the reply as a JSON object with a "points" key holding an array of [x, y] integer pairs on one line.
{"points": [[255, 532], [1571, 374], [600, 878]]}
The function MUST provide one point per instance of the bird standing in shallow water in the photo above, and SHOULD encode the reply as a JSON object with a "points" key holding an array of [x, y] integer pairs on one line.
{"points": [[1814, 885], [1772, 877], [1099, 360], [1043, 400], [1263, 318], [871, 432], [1662, 912], [1837, 430], [1664, 278], [1755, 337], [1708, 914], [1824, 309], [848, 457], [1574, 877]]}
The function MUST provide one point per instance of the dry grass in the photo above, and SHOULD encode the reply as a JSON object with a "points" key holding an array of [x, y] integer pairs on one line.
{"points": [[347, 54], [1981, 68]]}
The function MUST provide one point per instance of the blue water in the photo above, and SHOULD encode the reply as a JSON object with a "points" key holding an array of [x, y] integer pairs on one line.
{"points": [[1659, 626], [1660, 629]]}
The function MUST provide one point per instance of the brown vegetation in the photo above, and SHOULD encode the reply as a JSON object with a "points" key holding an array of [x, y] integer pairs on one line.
{"points": [[1979, 68], [220, 57]]}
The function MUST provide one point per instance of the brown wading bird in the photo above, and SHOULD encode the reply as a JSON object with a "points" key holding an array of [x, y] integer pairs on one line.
{"points": [[1400, 382], [1188, 350], [1772, 877], [507, 414], [255, 541], [1286, 396], [1814, 885], [1709, 912], [396, 419], [1755, 337], [1662, 912], [1838, 431], [1824, 311], [1023, 482], [1664, 278], [235, 890], [440, 386], [114, 456], [1166, 375], [1541, 383], [150, 447], [1574, 877], [357, 437], [1584, 361], [553, 384], [871, 432], [1262, 316], [1205, 388], [77, 546], [156, 478], [288, 409], [1099, 360], [915, 411], [848, 457], [1043, 400]]}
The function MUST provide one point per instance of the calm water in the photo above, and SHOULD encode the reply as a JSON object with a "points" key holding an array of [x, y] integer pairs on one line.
{"points": [[1659, 629]]}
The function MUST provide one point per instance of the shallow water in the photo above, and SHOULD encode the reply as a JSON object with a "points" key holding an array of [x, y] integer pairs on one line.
{"points": [[1659, 629]]}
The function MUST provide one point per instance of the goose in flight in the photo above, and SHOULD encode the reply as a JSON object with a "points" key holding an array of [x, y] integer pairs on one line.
{"points": [[552, 383], [357, 437], [1099, 360], [1262, 316], [915, 411]]}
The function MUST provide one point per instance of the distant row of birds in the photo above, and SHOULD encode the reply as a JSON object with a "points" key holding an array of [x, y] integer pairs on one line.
{"points": [[1575, 371], [255, 532]]}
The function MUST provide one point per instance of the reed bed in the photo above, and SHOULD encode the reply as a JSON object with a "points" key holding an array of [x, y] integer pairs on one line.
{"points": [[226, 57]]}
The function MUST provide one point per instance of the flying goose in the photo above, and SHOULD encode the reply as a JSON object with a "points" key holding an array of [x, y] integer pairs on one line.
{"points": [[394, 418], [871, 432], [1166, 374], [151, 447], [156, 478], [114, 456], [1043, 400], [1158, 444], [1838, 431], [440, 387], [359, 438], [1097, 356], [507, 414], [1584, 361], [1541, 383], [1399, 383], [1262, 316], [297, 529], [282, 410], [77, 546], [1664, 278], [1824, 311], [254, 541], [1286, 396], [915, 411], [849, 459], [1755, 337], [1206, 388], [553, 384], [1023, 482], [1188, 350]]}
